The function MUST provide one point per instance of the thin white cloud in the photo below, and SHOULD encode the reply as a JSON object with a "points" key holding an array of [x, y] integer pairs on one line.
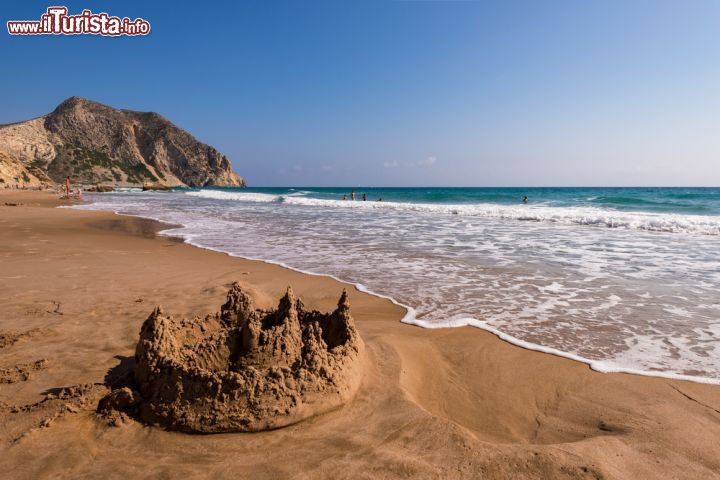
{"points": [[425, 162]]}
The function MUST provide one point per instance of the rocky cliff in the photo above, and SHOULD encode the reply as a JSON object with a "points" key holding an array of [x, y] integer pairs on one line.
{"points": [[94, 143]]}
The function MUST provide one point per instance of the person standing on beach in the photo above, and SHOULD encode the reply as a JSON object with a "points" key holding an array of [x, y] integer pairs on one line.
{"points": [[67, 187]]}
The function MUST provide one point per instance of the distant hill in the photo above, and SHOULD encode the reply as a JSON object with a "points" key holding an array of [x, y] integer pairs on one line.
{"points": [[94, 143]]}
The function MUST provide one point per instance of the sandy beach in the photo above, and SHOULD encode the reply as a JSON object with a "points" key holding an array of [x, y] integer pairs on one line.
{"points": [[75, 286]]}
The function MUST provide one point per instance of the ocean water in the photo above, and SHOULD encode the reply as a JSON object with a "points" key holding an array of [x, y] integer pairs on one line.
{"points": [[624, 279]]}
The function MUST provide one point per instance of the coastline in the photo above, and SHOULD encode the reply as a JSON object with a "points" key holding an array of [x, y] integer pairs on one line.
{"points": [[452, 402], [410, 318]]}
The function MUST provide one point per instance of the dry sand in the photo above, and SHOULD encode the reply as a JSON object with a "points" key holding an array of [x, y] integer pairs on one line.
{"points": [[76, 286]]}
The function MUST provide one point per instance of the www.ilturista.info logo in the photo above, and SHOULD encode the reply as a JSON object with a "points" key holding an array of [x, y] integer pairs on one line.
{"points": [[56, 21]]}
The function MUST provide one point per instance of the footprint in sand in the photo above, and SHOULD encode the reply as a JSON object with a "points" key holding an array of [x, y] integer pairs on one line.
{"points": [[21, 372]]}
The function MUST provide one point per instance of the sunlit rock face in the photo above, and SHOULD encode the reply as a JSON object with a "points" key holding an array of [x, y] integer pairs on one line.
{"points": [[97, 144]]}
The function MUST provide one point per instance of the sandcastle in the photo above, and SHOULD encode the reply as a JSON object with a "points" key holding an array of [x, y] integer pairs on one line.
{"points": [[243, 369]]}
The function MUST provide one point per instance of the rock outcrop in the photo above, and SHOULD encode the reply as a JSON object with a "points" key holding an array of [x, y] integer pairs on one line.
{"points": [[14, 174], [243, 369], [158, 187], [100, 189], [94, 143]]}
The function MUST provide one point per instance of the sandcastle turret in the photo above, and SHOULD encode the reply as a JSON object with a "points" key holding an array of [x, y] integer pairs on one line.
{"points": [[237, 306], [344, 302]]}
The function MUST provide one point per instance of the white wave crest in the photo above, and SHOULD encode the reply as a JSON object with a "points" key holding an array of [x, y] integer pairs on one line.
{"points": [[654, 222], [238, 196]]}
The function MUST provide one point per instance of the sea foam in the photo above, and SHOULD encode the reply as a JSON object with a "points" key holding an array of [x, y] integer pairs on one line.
{"points": [[653, 222]]}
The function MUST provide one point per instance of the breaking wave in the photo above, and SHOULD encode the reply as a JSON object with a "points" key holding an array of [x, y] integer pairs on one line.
{"points": [[592, 216]]}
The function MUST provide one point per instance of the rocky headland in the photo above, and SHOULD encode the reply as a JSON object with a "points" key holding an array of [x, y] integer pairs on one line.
{"points": [[97, 144]]}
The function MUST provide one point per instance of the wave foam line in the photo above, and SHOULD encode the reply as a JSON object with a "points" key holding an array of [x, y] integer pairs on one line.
{"points": [[597, 365], [410, 317], [667, 223], [237, 196]]}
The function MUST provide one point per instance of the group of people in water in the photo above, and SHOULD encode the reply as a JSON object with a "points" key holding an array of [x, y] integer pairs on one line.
{"points": [[364, 197], [525, 199]]}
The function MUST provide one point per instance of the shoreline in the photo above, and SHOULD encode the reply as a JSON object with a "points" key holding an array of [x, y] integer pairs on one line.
{"points": [[600, 366], [451, 403]]}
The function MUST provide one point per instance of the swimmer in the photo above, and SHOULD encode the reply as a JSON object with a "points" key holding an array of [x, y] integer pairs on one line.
{"points": [[525, 200]]}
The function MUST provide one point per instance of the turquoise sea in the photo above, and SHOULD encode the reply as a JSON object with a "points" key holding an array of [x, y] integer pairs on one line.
{"points": [[699, 201]]}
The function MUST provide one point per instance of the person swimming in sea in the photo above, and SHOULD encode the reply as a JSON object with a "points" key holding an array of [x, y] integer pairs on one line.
{"points": [[344, 197], [364, 197], [379, 199], [525, 200], [352, 195]]}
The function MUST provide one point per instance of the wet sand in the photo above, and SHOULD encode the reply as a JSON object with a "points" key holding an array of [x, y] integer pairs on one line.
{"points": [[75, 286]]}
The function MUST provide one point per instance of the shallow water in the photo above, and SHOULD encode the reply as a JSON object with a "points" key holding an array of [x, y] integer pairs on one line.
{"points": [[626, 279]]}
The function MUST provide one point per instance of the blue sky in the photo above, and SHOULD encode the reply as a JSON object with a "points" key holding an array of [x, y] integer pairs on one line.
{"points": [[404, 93]]}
